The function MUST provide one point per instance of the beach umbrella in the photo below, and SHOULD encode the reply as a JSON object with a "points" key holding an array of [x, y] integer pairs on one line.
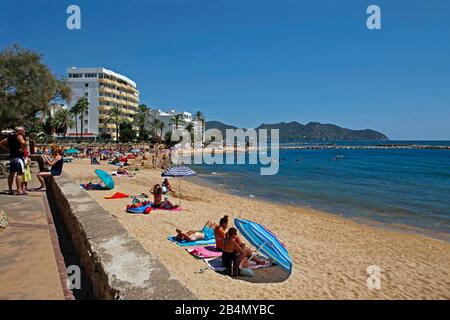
{"points": [[179, 172], [105, 152], [118, 154], [72, 151], [106, 178], [265, 241], [135, 150]]}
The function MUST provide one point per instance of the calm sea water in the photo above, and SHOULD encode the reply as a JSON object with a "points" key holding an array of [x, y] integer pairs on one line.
{"points": [[396, 186]]}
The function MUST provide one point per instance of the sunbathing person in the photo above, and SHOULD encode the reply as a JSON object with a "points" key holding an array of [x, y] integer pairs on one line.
{"points": [[231, 252], [122, 170], [220, 232], [157, 199], [236, 255], [168, 187], [206, 233]]}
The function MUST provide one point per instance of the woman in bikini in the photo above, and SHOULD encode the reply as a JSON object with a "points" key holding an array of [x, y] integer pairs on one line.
{"points": [[206, 233], [236, 255], [157, 199]]}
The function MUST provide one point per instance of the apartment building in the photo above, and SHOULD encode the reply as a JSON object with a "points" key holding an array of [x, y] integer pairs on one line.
{"points": [[167, 118], [103, 89]]}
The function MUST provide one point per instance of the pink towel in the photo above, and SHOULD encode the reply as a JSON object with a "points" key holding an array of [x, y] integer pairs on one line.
{"points": [[205, 252], [173, 209]]}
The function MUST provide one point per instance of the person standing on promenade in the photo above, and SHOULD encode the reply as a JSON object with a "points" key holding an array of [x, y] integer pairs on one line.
{"points": [[16, 145]]}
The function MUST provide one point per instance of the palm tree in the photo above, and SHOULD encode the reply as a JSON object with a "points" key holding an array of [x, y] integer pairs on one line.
{"points": [[199, 116], [177, 120], [81, 106], [74, 112], [160, 126], [190, 129], [141, 117], [63, 121], [115, 116]]}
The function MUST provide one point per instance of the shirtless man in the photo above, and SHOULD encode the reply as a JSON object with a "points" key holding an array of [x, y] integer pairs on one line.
{"points": [[16, 145]]}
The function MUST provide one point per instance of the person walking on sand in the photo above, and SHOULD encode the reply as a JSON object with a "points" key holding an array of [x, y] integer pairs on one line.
{"points": [[16, 145]]}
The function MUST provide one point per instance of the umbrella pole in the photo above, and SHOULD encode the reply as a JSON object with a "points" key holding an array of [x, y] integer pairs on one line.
{"points": [[257, 250], [179, 187]]}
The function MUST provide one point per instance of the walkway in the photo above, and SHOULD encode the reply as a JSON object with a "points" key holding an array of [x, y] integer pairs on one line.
{"points": [[29, 249]]}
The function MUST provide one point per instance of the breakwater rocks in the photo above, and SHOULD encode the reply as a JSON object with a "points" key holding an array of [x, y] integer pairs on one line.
{"points": [[380, 146]]}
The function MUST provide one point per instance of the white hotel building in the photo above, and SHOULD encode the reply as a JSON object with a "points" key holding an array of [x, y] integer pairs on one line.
{"points": [[103, 89], [167, 116]]}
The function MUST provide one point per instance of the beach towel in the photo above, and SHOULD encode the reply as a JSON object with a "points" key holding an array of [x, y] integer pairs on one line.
{"points": [[114, 173], [94, 186], [172, 209], [185, 243], [205, 252], [216, 264], [117, 195]]}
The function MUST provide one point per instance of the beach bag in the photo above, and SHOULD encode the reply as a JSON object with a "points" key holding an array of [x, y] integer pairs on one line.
{"points": [[27, 174]]}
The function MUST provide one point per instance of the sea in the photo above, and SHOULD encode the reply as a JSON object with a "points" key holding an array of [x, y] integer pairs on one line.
{"points": [[400, 188]]}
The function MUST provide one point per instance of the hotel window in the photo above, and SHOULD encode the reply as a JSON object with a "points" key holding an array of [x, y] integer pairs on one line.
{"points": [[85, 121], [75, 75], [86, 85], [90, 75], [86, 94]]}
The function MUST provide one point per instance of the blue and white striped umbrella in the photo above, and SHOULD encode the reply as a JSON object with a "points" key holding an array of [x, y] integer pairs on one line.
{"points": [[265, 241], [178, 171]]}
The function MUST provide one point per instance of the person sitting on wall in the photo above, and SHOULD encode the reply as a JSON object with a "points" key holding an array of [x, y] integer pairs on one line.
{"points": [[56, 166]]}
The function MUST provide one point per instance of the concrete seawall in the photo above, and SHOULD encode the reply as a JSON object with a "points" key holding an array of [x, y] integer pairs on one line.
{"points": [[115, 264]]}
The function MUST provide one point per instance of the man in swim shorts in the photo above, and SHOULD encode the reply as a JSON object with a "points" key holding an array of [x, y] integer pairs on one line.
{"points": [[16, 145]]}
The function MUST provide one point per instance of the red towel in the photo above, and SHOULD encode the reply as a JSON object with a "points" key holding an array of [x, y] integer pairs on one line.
{"points": [[117, 195]]}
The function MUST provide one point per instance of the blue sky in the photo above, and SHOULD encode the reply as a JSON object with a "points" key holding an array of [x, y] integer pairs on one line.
{"points": [[248, 62]]}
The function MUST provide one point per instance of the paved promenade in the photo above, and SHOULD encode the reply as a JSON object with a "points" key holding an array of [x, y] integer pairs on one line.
{"points": [[28, 259]]}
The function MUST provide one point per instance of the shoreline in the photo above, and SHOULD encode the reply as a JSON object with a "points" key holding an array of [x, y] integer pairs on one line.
{"points": [[330, 253], [394, 227]]}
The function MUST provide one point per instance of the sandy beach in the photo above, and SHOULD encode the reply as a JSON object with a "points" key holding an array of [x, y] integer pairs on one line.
{"points": [[330, 254]]}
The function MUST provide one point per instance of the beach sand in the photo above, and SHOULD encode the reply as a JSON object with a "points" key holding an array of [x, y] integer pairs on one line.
{"points": [[330, 254]]}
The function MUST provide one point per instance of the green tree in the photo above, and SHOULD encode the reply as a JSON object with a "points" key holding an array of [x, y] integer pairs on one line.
{"points": [[81, 106], [27, 87], [199, 116], [115, 116], [63, 121], [127, 133], [140, 119], [177, 120], [74, 112], [190, 129], [159, 125]]}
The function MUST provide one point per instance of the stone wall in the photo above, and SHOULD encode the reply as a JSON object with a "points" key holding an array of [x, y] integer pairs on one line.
{"points": [[116, 265]]}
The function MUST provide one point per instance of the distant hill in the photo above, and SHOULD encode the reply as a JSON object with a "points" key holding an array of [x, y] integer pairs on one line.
{"points": [[311, 131], [218, 125]]}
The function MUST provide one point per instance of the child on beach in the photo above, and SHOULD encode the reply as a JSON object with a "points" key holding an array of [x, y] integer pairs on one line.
{"points": [[26, 177]]}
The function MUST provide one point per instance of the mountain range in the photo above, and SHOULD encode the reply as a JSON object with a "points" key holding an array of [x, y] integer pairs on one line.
{"points": [[311, 131]]}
